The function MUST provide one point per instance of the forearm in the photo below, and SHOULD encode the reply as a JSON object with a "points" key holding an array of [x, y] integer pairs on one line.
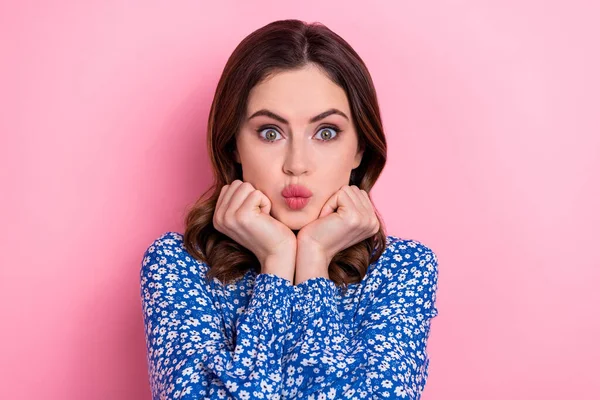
{"points": [[188, 352], [280, 265], [384, 356], [310, 263]]}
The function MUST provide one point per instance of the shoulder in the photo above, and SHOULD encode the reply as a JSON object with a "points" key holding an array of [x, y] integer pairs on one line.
{"points": [[168, 240], [168, 250], [408, 270], [403, 252]]}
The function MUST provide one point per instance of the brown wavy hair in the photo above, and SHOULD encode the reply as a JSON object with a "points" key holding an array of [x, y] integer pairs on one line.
{"points": [[279, 46]]}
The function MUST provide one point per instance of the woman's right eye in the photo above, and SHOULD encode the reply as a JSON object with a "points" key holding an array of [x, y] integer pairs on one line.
{"points": [[270, 135]]}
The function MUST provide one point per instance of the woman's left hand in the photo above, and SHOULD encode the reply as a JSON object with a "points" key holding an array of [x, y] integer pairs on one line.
{"points": [[347, 218]]}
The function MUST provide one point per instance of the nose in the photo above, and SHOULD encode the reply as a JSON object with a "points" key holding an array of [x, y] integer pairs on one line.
{"points": [[297, 158]]}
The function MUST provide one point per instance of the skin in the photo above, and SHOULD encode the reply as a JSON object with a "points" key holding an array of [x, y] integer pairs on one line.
{"points": [[311, 154]]}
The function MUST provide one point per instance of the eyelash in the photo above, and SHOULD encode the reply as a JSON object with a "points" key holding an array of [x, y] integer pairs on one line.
{"points": [[333, 128]]}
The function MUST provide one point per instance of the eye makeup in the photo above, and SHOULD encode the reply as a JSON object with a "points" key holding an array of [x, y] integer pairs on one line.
{"points": [[331, 127]]}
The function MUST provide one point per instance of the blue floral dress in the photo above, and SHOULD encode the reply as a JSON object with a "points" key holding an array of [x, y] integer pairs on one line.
{"points": [[265, 338]]}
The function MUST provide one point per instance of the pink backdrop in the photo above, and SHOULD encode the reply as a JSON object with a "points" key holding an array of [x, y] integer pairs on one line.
{"points": [[491, 111]]}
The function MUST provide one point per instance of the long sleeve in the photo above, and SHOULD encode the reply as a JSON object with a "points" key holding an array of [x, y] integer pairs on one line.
{"points": [[188, 353], [384, 354]]}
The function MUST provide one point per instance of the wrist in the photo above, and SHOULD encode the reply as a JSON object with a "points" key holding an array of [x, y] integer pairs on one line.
{"points": [[311, 253], [311, 263], [281, 265]]}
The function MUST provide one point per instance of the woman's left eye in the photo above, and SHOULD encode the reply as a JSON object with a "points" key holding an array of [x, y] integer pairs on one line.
{"points": [[331, 133]]}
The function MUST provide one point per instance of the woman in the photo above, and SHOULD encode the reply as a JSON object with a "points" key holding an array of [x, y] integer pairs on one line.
{"points": [[284, 284]]}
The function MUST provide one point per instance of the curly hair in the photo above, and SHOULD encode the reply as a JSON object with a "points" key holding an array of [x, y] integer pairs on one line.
{"points": [[278, 46]]}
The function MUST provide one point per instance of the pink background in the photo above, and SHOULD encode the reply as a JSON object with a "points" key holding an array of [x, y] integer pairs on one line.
{"points": [[491, 113]]}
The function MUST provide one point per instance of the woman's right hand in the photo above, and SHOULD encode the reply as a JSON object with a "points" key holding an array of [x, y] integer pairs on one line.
{"points": [[243, 213]]}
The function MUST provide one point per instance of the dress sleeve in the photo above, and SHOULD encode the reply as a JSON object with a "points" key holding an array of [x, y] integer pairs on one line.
{"points": [[188, 353], [382, 356]]}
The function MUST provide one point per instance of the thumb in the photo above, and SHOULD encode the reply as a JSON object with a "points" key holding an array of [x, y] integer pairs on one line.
{"points": [[265, 203], [330, 206]]}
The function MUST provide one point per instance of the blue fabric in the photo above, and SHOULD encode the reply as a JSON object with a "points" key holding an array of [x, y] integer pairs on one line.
{"points": [[264, 338]]}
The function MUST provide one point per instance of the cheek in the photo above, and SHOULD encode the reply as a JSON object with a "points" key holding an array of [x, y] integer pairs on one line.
{"points": [[253, 161], [261, 174], [339, 166]]}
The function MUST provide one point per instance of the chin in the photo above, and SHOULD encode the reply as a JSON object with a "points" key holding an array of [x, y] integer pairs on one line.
{"points": [[295, 220]]}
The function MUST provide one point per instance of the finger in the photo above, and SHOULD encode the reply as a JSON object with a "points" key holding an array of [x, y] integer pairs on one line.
{"points": [[367, 216], [221, 195], [256, 199], [372, 213], [229, 194], [240, 195], [366, 201], [360, 200], [349, 190], [345, 202], [330, 205]]}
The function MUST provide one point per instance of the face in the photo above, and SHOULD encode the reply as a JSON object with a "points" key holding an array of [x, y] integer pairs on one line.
{"points": [[292, 146]]}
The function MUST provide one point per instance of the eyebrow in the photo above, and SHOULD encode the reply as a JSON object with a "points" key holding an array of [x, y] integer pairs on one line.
{"points": [[284, 121]]}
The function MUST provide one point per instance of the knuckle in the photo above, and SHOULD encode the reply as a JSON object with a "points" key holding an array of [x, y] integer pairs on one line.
{"points": [[376, 226], [353, 221], [217, 222], [255, 193], [229, 219], [240, 216]]}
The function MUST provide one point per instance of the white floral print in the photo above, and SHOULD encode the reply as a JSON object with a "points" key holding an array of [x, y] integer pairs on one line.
{"points": [[264, 338]]}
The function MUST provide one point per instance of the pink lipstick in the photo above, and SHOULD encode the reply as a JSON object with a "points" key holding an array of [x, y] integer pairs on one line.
{"points": [[296, 196]]}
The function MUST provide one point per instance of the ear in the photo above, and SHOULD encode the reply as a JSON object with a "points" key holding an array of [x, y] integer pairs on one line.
{"points": [[358, 158]]}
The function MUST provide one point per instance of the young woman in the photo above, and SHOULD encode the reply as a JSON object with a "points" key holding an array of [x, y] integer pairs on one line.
{"points": [[285, 284]]}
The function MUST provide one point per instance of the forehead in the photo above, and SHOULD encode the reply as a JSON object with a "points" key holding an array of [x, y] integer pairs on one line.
{"points": [[300, 93]]}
